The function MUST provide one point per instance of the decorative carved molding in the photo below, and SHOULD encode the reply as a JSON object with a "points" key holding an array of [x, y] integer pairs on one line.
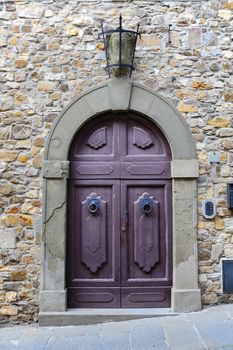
{"points": [[98, 139], [94, 234], [55, 169], [141, 138], [146, 242]]}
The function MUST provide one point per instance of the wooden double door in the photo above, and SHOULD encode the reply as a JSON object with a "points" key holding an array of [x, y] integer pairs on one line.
{"points": [[119, 227]]}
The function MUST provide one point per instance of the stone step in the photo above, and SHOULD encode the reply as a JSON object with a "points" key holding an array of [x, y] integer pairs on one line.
{"points": [[94, 316]]}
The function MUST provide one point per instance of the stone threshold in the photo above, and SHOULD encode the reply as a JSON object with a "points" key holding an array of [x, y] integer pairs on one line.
{"points": [[74, 317]]}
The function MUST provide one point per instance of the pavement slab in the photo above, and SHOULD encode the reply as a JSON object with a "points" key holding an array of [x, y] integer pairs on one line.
{"points": [[227, 308], [148, 334], [67, 343], [115, 336], [216, 331], [181, 334]]}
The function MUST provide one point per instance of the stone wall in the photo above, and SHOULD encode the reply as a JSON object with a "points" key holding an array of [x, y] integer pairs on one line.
{"points": [[50, 52]]}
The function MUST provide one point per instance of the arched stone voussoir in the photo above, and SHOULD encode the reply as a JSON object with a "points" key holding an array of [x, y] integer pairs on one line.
{"points": [[168, 119], [116, 95]]}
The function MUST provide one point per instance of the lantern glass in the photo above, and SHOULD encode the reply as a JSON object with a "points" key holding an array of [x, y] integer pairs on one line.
{"points": [[120, 47]]}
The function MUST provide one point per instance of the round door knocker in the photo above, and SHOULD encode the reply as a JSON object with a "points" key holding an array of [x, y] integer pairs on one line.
{"points": [[93, 205], [147, 205]]}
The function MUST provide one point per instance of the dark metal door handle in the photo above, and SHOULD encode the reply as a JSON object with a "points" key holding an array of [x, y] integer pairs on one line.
{"points": [[125, 222]]}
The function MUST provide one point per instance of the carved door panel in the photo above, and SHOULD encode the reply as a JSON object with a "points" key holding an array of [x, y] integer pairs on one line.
{"points": [[93, 273], [119, 215], [145, 244]]}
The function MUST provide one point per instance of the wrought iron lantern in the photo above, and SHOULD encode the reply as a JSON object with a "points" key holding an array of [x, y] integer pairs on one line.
{"points": [[119, 45]]}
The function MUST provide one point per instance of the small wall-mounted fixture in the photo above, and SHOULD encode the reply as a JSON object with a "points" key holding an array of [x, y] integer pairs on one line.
{"points": [[208, 209], [119, 45], [230, 195], [213, 157], [169, 34]]}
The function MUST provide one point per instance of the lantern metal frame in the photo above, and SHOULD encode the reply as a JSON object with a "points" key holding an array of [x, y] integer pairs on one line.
{"points": [[119, 30]]}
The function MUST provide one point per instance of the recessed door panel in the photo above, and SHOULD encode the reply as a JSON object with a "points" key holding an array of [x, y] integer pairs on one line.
{"points": [[142, 141], [146, 244], [96, 141], [93, 258], [119, 215]]}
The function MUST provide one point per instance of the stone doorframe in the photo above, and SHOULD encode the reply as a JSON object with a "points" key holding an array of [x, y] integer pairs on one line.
{"points": [[120, 95]]}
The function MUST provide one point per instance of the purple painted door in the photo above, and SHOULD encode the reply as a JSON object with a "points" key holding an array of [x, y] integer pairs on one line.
{"points": [[119, 239]]}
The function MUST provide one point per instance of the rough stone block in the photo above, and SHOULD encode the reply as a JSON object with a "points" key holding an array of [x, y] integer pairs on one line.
{"points": [[46, 86], [184, 168], [20, 275], [9, 310], [119, 93], [21, 132], [52, 301], [186, 108], [8, 156], [229, 225], [7, 238], [55, 169], [186, 300], [32, 10]]}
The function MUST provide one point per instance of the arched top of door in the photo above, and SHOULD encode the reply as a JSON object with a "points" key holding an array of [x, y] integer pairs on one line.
{"points": [[120, 95]]}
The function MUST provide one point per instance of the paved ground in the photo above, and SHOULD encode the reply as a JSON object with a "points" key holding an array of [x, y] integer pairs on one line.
{"points": [[211, 328]]}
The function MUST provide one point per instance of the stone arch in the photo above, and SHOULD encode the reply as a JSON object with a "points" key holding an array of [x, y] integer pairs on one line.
{"points": [[119, 95]]}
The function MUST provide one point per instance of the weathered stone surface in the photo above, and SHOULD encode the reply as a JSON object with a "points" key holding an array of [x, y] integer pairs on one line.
{"points": [[20, 99], [226, 171], [21, 132], [38, 141], [20, 275], [186, 108], [219, 122], [4, 133], [9, 310], [37, 161], [228, 251], [219, 223], [20, 63], [229, 225], [72, 30], [227, 144], [6, 103], [5, 188], [216, 252], [225, 132], [8, 156], [23, 158], [149, 40], [28, 259], [26, 220], [31, 10], [12, 220], [201, 85], [7, 238], [46, 86], [210, 298], [228, 96], [225, 14], [11, 296], [55, 169], [194, 37]]}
